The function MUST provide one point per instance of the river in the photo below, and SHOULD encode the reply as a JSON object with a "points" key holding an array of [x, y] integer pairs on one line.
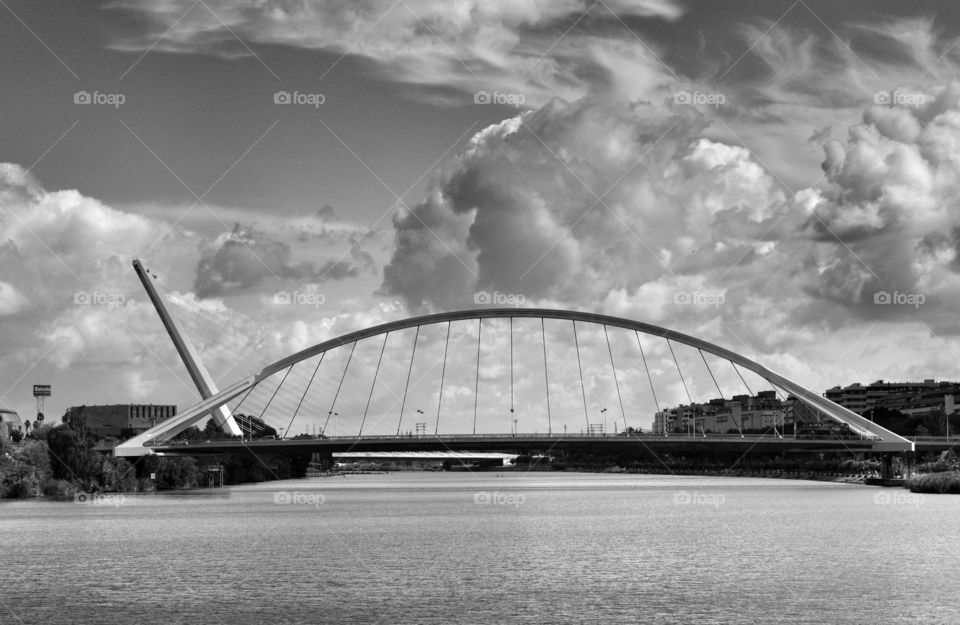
{"points": [[487, 548]]}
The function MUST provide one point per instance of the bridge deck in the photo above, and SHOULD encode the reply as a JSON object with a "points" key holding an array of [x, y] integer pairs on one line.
{"points": [[532, 442]]}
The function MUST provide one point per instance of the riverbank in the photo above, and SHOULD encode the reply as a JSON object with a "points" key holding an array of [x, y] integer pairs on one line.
{"points": [[779, 475]]}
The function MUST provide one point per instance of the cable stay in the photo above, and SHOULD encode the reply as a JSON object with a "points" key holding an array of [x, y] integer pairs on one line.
{"points": [[653, 391], [476, 387], [710, 371], [623, 414], [406, 386], [339, 386], [305, 391], [374, 384], [443, 371], [583, 390], [546, 379]]}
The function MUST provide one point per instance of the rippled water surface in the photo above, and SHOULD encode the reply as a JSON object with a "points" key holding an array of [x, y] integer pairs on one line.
{"points": [[487, 548]]}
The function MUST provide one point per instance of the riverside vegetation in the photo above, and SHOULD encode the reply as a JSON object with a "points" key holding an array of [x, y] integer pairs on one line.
{"points": [[940, 476], [54, 460]]}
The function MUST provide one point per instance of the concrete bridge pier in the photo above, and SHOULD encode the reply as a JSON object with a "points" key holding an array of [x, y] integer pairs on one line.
{"points": [[893, 465], [909, 463], [886, 466]]}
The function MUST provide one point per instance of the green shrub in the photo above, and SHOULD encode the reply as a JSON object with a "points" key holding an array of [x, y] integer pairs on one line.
{"points": [[945, 483]]}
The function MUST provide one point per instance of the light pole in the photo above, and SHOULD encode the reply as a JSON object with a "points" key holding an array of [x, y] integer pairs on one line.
{"points": [[603, 416], [421, 425], [330, 413]]}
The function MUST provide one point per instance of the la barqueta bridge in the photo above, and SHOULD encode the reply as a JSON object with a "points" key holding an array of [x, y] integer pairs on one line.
{"points": [[358, 392]]}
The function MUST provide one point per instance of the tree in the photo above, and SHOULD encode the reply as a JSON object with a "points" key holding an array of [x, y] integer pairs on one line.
{"points": [[117, 474], [69, 456], [213, 431]]}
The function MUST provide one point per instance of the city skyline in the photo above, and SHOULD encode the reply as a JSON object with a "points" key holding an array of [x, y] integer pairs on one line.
{"points": [[778, 178]]}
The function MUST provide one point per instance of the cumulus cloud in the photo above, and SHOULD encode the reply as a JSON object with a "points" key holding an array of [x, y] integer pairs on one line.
{"points": [[547, 203], [65, 276], [11, 300], [245, 258], [891, 202], [75, 315], [626, 206]]}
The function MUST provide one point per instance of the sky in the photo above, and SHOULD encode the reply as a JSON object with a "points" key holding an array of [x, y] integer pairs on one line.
{"points": [[780, 178]]}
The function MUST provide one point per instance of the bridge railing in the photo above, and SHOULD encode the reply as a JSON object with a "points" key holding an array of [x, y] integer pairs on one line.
{"points": [[509, 436]]}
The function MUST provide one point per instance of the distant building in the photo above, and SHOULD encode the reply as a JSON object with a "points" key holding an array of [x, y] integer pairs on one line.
{"points": [[10, 422], [912, 398], [739, 413], [119, 420]]}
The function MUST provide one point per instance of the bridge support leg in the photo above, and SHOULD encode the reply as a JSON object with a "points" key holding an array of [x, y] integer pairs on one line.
{"points": [[886, 466], [909, 464]]}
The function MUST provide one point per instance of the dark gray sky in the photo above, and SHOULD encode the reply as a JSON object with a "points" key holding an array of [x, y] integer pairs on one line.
{"points": [[639, 150]]}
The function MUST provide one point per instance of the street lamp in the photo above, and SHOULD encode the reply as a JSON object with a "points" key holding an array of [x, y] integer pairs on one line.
{"points": [[603, 416]]}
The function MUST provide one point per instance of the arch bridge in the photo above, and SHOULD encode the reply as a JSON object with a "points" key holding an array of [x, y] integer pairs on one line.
{"points": [[571, 374]]}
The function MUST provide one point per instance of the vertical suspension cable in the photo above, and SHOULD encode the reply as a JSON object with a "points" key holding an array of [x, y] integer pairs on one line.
{"points": [[614, 367], [275, 391], [443, 372], [686, 390], [513, 417], [649, 377], [583, 390], [546, 379], [747, 386], [307, 388], [783, 415], [406, 386], [337, 394], [372, 386], [682, 381], [476, 388], [710, 371]]}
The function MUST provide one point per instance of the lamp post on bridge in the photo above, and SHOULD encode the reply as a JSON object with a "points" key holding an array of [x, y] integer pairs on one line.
{"points": [[421, 425], [603, 417]]}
